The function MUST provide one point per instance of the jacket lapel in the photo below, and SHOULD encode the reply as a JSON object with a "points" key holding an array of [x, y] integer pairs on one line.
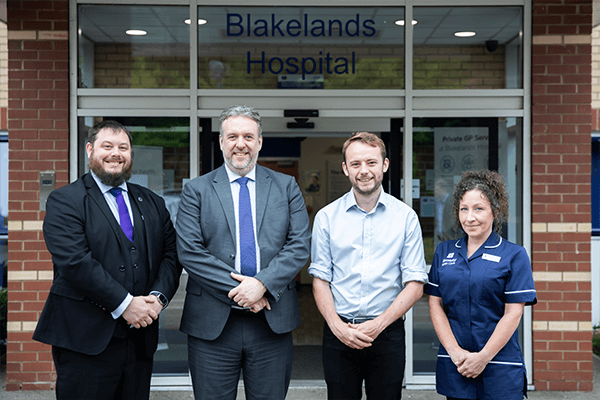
{"points": [[96, 195], [137, 201], [222, 188], [263, 187]]}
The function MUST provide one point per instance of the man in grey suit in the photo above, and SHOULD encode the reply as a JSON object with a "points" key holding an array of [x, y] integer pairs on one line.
{"points": [[243, 235]]}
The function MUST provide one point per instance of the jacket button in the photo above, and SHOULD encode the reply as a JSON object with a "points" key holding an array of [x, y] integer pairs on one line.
{"points": [[135, 266], [133, 249], [122, 268]]}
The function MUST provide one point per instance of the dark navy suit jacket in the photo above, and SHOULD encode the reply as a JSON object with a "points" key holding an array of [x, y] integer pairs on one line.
{"points": [[89, 260]]}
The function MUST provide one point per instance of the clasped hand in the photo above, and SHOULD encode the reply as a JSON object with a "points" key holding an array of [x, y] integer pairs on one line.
{"points": [[357, 336], [142, 311], [249, 293], [468, 364]]}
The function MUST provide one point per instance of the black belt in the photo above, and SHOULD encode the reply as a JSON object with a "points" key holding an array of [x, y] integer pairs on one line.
{"points": [[356, 320], [360, 320]]}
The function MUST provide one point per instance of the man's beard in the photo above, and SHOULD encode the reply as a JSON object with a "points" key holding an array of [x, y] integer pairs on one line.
{"points": [[374, 189], [107, 178]]}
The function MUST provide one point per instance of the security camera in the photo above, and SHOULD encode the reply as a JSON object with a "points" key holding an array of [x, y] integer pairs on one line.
{"points": [[491, 45]]}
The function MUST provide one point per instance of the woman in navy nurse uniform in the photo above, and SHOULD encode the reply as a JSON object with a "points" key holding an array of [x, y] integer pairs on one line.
{"points": [[478, 287]]}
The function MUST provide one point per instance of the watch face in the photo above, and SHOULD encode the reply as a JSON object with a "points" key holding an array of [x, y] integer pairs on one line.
{"points": [[163, 299]]}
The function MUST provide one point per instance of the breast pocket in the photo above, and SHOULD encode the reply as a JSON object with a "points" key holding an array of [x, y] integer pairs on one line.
{"points": [[491, 284]]}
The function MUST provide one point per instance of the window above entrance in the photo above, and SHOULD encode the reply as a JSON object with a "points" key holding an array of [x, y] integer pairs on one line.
{"points": [[301, 48]]}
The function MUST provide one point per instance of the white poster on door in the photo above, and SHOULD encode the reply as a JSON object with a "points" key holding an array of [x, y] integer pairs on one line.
{"points": [[456, 150]]}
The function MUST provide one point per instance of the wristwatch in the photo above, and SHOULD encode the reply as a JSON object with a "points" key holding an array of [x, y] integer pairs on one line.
{"points": [[162, 299]]}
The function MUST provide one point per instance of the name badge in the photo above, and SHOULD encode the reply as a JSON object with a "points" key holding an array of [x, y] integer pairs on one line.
{"points": [[491, 257]]}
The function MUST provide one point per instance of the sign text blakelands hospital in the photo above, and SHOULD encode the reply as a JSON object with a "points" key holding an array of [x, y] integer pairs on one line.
{"points": [[239, 25]]}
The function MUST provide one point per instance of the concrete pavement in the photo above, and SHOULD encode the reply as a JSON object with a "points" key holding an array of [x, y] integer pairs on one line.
{"points": [[302, 391]]}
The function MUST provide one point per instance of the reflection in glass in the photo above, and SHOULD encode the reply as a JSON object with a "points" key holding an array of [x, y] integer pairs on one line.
{"points": [[171, 357], [442, 149], [300, 47], [111, 58], [489, 59]]}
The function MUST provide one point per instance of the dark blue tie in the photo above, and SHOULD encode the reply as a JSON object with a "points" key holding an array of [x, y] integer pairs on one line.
{"points": [[247, 242], [124, 218]]}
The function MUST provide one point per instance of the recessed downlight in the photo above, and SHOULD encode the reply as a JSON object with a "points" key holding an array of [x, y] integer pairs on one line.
{"points": [[464, 34], [136, 32], [201, 21], [400, 22]]}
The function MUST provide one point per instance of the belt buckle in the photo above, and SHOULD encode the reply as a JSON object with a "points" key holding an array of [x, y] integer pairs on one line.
{"points": [[360, 320]]}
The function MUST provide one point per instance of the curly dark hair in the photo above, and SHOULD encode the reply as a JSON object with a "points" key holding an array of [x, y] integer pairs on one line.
{"points": [[492, 185]]}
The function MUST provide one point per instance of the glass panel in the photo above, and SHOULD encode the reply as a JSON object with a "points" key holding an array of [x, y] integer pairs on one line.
{"points": [[442, 149], [595, 185], [171, 357], [109, 57], [300, 47], [468, 48]]}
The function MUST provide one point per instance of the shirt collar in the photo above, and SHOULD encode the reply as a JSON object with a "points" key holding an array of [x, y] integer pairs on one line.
{"points": [[105, 188], [493, 241], [233, 176], [350, 201]]}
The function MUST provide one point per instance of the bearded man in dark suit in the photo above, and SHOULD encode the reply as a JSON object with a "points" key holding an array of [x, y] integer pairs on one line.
{"points": [[114, 252]]}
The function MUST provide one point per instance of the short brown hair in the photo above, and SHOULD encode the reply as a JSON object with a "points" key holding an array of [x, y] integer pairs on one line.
{"points": [[367, 138], [114, 126]]}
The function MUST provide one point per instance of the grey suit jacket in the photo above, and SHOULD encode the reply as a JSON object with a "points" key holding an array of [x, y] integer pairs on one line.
{"points": [[206, 245]]}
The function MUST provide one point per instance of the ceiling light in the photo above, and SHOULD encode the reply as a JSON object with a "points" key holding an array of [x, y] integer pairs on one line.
{"points": [[200, 21], [464, 34], [400, 22], [136, 32]]}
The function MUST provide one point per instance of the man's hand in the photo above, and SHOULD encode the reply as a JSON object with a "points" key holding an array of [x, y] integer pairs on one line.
{"points": [[260, 304], [248, 292], [141, 312], [350, 336], [371, 328], [156, 305]]}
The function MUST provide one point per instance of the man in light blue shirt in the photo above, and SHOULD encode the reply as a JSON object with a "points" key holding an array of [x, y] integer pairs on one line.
{"points": [[368, 266]]}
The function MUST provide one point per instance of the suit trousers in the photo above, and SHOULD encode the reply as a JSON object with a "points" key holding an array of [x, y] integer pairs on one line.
{"points": [[380, 366], [122, 371], [246, 344]]}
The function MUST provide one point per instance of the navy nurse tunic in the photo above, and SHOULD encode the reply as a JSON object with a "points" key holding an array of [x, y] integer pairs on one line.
{"points": [[474, 291]]}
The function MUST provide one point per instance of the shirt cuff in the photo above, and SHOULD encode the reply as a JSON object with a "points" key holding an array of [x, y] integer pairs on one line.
{"points": [[315, 271], [122, 307]]}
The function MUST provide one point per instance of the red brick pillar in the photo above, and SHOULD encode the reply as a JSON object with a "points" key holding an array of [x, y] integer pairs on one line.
{"points": [[561, 204], [38, 122]]}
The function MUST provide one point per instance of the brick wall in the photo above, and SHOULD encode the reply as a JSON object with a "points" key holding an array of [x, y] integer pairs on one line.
{"points": [[596, 78], [3, 76], [561, 205], [38, 121]]}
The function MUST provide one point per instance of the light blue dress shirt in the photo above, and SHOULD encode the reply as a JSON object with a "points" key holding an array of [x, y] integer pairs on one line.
{"points": [[367, 257], [235, 193]]}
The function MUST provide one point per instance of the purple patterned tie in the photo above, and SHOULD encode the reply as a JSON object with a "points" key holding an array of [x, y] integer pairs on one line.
{"points": [[247, 242], [124, 218]]}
